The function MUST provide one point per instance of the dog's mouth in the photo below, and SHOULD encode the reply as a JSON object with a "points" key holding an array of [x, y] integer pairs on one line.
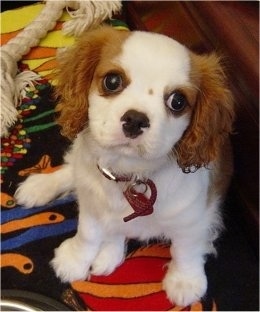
{"points": [[118, 143], [129, 148], [111, 137]]}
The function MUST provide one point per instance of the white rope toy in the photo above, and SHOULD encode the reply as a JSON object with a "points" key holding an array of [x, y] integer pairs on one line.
{"points": [[86, 14]]}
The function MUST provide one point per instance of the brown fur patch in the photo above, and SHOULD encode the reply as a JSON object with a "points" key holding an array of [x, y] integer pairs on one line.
{"points": [[212, 116], [76, 71]]}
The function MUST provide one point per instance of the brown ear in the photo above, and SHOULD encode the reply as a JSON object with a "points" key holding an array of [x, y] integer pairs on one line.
{"points": [[212, 116], [74, 76]]}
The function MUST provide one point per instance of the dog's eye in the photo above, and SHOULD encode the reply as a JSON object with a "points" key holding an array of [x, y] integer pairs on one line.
{"points": [[176, 102], [113, 83]]}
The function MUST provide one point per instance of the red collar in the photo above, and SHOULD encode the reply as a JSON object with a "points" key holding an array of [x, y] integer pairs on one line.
{"points": [[141, 204]]}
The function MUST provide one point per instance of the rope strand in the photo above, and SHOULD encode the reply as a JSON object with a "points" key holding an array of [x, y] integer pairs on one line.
{"points": [[85, 15]]}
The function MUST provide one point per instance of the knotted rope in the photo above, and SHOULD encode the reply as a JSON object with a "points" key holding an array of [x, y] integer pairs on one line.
{"points": [[84, 14]]}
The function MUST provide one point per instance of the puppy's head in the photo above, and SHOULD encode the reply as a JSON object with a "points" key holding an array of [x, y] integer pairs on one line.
{"points": [[144, 95]]}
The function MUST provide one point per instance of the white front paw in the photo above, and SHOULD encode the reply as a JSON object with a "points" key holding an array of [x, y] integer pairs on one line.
{"points": [[36, 190], [184, 289], [107, 260], [70, 264]]}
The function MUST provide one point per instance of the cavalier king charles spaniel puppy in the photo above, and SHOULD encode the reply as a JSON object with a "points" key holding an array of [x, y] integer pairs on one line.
{"points": [[150, 123]]}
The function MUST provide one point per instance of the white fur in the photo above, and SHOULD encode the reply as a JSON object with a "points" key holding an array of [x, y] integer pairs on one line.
{"points": [[182, 212]]}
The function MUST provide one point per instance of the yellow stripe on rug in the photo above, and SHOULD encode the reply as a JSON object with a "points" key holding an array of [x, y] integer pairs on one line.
{"points": [[40, 59]]}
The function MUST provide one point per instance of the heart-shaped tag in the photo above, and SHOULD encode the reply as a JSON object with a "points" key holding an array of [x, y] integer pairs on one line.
{"points": [[141, 205]]}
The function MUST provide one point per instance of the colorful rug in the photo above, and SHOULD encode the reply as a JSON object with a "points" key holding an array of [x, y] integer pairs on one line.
{"points": [[29, 236]]}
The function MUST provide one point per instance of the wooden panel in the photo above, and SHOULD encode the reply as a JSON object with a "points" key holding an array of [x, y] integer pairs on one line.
{"points": [[232, 28]]}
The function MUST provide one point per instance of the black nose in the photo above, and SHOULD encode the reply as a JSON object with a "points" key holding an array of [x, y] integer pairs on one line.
{"points": [[133, 122]]}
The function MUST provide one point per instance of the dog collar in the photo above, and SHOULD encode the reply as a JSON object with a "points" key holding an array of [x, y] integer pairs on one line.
{"points": [[112, 176], [141, 204]]}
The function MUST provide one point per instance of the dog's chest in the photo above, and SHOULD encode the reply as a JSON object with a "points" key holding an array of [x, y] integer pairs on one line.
{"points": [[174, 191]]}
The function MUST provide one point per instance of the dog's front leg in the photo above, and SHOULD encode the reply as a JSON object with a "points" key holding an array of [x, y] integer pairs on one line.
{"points": [[39, 189], [111, 255], [73, 258], [185, 281]]}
